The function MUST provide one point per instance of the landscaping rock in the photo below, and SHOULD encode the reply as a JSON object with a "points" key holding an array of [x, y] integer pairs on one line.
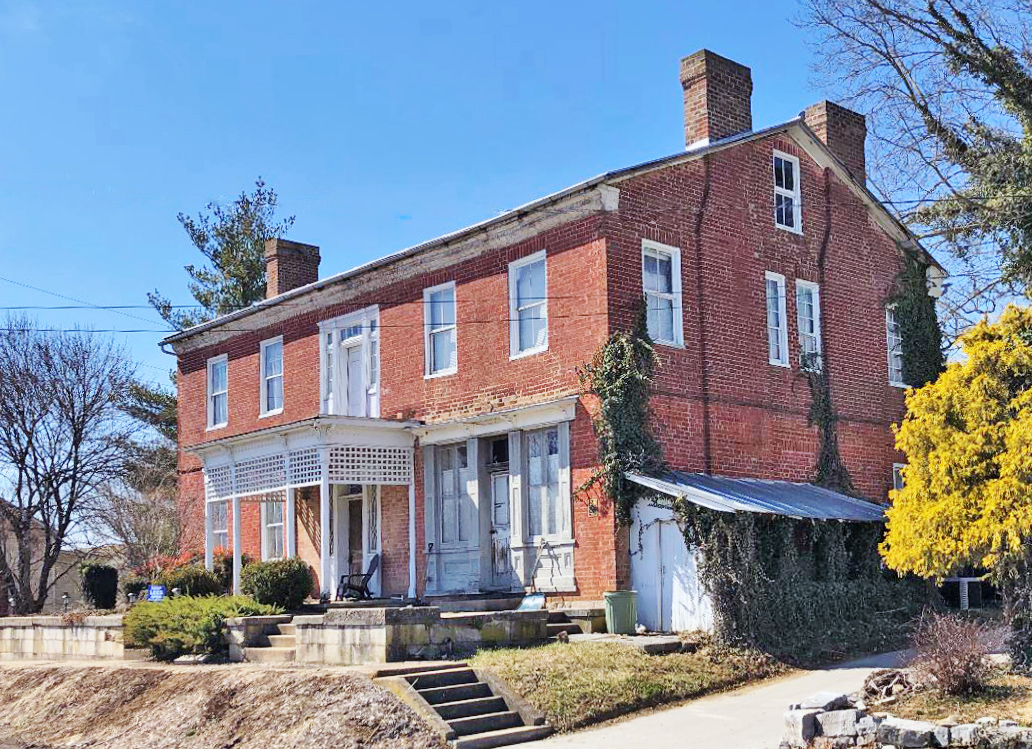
{"points": [[800, 727], [824, 701], [905, 733], [837, 723], [966, 734], [941, 736], [834, 742]]}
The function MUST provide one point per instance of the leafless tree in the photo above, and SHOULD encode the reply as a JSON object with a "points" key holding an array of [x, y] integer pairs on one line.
{"points": [[62, 436], [947, 86]]}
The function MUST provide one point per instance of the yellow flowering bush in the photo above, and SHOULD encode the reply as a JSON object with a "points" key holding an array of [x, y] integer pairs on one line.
{"points": [[967, 496]]}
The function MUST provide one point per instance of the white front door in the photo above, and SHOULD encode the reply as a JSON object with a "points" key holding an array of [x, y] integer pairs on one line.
{"points": [[355, 386], [501, 551], [355, 532]]}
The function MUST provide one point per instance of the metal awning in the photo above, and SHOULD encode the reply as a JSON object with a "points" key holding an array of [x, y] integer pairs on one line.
{"points": [[787, 498]]}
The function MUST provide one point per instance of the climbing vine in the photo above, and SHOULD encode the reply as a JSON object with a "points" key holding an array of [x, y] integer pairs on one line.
{"points": [[620, 375], [923, 358], [830, 470]]}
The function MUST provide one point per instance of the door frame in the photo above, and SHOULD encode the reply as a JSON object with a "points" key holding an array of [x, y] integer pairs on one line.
{"points": [[508, 583], [371, 498]]}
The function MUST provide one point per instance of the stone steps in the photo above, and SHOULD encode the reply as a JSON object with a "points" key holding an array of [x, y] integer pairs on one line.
{"points": [[270, 655], [505, 737]]}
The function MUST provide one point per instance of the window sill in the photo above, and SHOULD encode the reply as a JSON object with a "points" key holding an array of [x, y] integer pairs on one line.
{"points": [[782, 364], [528, 352], [442, 373], [217, 427], [669, 344], [267, 414], [789, 229], [900, 385]]}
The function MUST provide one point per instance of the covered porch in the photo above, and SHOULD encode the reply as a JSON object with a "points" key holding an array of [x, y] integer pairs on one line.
{"points": [[322, 482]]}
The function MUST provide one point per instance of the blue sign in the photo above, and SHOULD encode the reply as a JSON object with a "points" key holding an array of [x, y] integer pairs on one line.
{"points": [[156, 593]]}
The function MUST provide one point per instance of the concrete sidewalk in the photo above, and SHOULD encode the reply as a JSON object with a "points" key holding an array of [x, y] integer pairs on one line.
{"points": [[748, 718]]}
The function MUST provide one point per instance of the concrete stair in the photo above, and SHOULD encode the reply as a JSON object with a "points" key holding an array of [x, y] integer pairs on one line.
{"points": [[560, 622], [478, 717], [282, 647]]}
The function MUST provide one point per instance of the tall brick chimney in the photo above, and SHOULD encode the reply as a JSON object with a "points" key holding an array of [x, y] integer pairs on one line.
{"points": [[289, 265], [843, 131], [717, 98]]}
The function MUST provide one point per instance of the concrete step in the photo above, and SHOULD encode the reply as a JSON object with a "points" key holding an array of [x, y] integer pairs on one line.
{"points": [[504, 737], [486, 722], [468, 708], [570, 628], [442, 678], [269, 655], [286, 629], [558, 617], [283, 641], [455, 693]]}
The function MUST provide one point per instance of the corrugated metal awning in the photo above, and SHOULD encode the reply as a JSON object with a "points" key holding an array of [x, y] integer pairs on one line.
{"points": [[760, 495]]}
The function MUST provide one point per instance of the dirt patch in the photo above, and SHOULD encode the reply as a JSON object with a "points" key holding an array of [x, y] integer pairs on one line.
{"points": [[46, 706]]}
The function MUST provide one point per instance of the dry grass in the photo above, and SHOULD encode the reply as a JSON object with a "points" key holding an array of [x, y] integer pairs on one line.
{"points": [[1006, 696], [109, 707], [583, 683]]}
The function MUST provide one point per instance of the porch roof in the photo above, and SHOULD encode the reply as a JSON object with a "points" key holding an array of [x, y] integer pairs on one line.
{"points": [[787, 498]]}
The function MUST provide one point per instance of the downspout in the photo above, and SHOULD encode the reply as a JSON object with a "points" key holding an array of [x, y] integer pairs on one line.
{"points": [[707, 454]]}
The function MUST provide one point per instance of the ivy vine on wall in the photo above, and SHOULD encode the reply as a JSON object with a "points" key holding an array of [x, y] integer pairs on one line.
{"points": [[923, 356]]}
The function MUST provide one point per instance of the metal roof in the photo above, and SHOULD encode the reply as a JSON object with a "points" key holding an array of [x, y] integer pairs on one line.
{"points": [[760, 495]]}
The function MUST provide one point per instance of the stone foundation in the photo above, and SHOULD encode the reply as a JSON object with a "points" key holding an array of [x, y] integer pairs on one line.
{"points": [[55, 638]]}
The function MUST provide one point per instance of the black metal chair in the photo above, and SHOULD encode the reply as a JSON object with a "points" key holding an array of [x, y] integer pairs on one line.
{"points": [[358, 582]]}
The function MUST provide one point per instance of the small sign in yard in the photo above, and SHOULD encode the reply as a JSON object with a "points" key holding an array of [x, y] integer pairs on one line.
{"points": [[156, 593]]}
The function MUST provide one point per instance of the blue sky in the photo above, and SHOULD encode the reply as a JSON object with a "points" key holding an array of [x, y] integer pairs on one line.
{"points": [[379, 125]]}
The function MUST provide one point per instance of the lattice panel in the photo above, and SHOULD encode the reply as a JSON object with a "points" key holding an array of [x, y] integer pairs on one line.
{"points": [[218, 482], [261, 474], [370, 465], [304, 466]]}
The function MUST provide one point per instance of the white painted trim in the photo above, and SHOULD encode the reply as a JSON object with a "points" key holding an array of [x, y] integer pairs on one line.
{"points": [[817, 327], [796, 194], [263, 393], [890, 309], [783, 314], [517, 419], [364, 317], [428, 371], [514, 322], [897, 467], [214, 361], [648, 246]]}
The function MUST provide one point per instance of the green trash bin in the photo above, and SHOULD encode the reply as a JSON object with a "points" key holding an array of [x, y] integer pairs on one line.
{"points": [[621, 611]]}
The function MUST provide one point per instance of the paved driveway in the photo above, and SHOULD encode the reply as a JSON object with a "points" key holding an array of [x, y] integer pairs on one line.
{"points": [[748, 718]]}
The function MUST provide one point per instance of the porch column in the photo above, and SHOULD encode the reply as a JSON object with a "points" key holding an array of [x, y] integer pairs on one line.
{"points": [[291, 511], [236, 545], [324, 521], [412, 535], [209, 537]]}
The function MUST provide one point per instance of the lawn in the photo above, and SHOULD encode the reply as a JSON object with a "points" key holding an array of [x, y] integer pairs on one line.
{"points": [[1008, 696], [578, 684]]}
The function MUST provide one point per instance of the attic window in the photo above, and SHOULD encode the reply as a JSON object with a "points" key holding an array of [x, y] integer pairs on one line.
{"points": [[788, 212]]}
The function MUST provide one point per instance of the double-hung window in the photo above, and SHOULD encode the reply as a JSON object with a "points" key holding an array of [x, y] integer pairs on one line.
{"points": [[272, 530], [808, 317], [271, 376], [777, 322], [452, 481], [788, 212], [218, 392], [440, 325], [894, 341], [528, 306], [548, 482], [220, 524], [350, 368], [661, 282]]}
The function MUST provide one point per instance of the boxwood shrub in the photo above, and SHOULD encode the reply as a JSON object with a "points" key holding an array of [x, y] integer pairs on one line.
{"points": [[187, 625], [285, 583], [192, 580]]}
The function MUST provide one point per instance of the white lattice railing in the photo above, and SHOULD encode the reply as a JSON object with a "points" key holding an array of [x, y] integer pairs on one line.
{"points": [[274, 472]]}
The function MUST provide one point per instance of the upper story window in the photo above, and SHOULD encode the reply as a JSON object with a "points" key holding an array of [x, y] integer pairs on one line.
{"points": [[218, 392], [350, 364], [661, 281], [788, 212], [894, 341], [271, 376], [528, 306], [440, 336], [777, 327], [808, 316]]}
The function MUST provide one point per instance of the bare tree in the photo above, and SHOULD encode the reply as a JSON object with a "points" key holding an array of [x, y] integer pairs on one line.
{"points": [[947, 85], [62, 436]]}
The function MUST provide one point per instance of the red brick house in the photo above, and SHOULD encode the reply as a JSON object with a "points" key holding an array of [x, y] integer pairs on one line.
{"points": [[424, 408]]}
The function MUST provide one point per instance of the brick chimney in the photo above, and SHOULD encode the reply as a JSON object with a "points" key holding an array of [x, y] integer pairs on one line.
{"points": [[843, 131], [717, 98], [289, 265]]}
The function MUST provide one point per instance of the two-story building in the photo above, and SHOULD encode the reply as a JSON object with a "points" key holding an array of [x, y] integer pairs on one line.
{"points": [[425, 408]]}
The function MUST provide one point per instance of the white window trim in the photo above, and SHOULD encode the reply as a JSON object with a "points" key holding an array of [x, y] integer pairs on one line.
{"points": [[795, 194], [817, 331], [890, 310], [364, 317], [514, 321], [266, 552], [263, 394], [222, 358], [427, 354], [783, 313], [648, 246], [897, 467]]}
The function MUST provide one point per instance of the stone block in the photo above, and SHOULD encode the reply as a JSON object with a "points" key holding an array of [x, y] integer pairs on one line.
{"points": [[905, 733], [800, 727], [867, 725], [834, 742], [837, 723], [941, 736], [823, 701]]}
